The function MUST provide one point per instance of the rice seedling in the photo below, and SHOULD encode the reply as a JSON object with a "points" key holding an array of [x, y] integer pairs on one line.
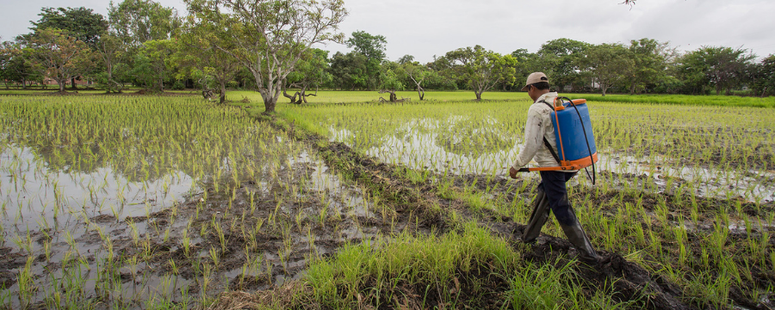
{"points": [[156, 161]]}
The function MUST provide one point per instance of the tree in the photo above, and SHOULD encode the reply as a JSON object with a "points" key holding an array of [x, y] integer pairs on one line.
{"points": [[19, 64], [764, 76], [310, 72], [608, 63], [406, 59], [483, 69], [371, 46], [564, 57], [722, 67], [418, 74], [649, 60], [138, 21], [81, 23], [390, 80], [528, 63], [6, 54], [153, 63], [272, 35], [198, 51], [348, 71], [135, 22], [109, 51], [61, 56]]}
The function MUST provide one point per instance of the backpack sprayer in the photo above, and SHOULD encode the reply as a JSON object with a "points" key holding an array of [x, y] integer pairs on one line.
{"points": [[573, 133]]}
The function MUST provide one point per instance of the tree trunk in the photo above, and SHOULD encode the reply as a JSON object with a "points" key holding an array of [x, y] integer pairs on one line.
{"points": [[294, 99], [270, 101], [420, 92], [62, 84], [72, 83], [478, 95], [632, 88], [223, 92]]}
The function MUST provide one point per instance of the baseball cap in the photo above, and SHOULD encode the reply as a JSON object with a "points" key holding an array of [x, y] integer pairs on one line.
{"points": [[535, 77]]}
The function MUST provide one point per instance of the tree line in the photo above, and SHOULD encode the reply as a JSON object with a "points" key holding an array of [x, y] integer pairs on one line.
{"points": [[269, 46]]}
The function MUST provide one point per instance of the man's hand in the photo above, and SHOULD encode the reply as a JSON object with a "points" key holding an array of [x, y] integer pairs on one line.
{"points": [[513, 173]]}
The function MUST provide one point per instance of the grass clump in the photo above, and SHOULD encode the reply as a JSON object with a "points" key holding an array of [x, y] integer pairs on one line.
{"points": [[466, 269]]}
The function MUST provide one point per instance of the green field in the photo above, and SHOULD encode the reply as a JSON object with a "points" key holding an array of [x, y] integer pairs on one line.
{"points": [[175, 202], [710, 100]]}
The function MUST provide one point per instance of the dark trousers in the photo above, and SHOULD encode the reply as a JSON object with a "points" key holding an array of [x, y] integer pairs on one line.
{"points": [[553, 184]]}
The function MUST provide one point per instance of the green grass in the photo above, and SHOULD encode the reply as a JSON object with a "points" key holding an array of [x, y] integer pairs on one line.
{"points": [[711, 100], [457, 270]]}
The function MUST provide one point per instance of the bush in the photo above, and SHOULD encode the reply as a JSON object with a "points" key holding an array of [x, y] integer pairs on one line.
{"points": [[178, 85]]}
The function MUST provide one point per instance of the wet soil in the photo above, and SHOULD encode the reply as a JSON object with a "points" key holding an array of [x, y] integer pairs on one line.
{"points": [[631, 281], [284, 247]]}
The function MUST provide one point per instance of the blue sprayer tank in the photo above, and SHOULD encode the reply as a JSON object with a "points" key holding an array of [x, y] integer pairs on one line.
{"points": [[575, 140]]}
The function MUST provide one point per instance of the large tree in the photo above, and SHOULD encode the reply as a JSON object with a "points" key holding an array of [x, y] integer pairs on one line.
{"points": [[110, 51], [154, 63], [348, 71], [19, 65], [528, 63], [6, 55], [81, 23], [564, 57], [199, 54], [722, 67], [61, 56], [764, 76], [311, 71], [373, 47], [135, 22], [482, 69], [649, 60], [272, 35], [418, 74], [138, 21], [608, 64]]}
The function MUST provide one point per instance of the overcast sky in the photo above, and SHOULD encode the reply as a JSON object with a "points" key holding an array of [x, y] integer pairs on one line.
{"points": [[424, 28]]}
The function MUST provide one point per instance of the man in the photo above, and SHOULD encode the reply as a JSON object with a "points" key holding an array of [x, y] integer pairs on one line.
{"points": [[552, 195]]}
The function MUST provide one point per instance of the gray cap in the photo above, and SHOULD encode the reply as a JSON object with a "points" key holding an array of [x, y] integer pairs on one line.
{"points": [[535, 77]]}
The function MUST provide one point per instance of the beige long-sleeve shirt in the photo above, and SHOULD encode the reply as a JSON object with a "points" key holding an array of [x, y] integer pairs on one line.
{"points": [[538, 126]]}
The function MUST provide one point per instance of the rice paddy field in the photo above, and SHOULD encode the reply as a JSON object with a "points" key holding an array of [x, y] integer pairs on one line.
{"points": [[172, 202]]}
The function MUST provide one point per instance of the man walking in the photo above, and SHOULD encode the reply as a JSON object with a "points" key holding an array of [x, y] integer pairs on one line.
{"points": [[540, 144]]}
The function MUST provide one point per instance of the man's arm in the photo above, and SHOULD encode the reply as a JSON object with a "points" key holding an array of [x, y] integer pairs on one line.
{"points": [[534, 133]]}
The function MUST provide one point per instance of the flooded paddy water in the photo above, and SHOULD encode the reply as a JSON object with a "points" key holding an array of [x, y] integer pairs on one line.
{"points": [[172, 205], [686, 191], [138, 202]]}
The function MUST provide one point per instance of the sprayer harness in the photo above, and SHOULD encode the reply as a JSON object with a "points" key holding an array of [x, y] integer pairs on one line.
{"points": [[554, 153]]}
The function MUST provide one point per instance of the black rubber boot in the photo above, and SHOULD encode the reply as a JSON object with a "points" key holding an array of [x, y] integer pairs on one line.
{"points": [[537, 218], [580, 241]]}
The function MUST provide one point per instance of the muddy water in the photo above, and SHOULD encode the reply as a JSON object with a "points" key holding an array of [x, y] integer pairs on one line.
{"points": [[35, 198], [70, 225], [418, 145], [58, 216], [752, 185]]}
